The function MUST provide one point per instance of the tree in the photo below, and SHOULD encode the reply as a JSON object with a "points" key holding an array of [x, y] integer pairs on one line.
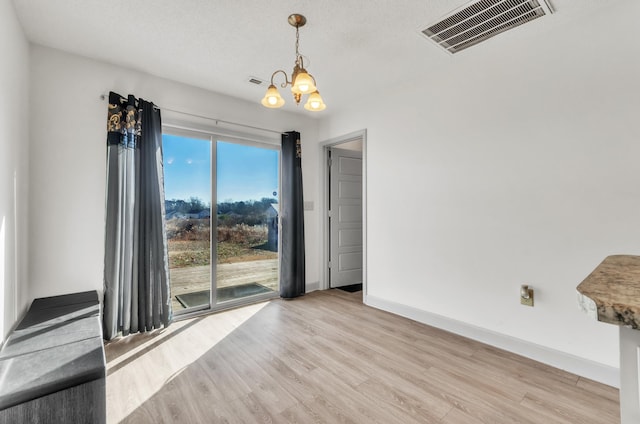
{"points": [[196, 205]]}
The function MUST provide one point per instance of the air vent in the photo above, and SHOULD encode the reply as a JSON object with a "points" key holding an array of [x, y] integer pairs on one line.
{"points": [[481, 20], [256, 80]]}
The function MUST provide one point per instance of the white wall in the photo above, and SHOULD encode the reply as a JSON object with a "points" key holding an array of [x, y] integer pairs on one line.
{"points": [[68, 152], [507, 167], [14, 142]]}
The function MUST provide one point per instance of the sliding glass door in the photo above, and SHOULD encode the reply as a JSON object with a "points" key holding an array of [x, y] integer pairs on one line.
{"points": [[187, 182], [223, 252], [247, 221]]}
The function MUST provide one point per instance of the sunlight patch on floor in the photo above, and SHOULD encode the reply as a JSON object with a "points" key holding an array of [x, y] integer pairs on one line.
{"points": [[133, 362]]}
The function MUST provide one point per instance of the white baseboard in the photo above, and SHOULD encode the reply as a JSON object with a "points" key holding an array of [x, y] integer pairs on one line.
{"points": [[574, 364], [312, 287]]}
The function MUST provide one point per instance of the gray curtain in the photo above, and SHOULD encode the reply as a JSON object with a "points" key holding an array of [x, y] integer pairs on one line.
{"points": [[136, 268], [292, 267]]}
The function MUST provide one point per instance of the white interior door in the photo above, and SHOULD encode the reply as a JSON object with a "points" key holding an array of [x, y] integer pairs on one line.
{"points": [[345, 217]]}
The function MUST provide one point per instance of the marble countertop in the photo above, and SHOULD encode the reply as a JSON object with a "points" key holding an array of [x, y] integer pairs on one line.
{"points": [[611, 293]]}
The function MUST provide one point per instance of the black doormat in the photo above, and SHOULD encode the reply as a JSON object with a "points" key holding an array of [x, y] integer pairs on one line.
{"points": [[199, 298], [352, 288]]}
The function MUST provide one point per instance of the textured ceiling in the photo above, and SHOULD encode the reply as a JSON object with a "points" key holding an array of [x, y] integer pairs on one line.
{"points": [[353, 46]]}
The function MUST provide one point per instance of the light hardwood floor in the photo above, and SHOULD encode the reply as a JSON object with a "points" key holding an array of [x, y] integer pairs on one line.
{"points": [[327, 358]]}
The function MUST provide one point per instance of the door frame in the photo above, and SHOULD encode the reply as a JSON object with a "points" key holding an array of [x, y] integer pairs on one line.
{"points": [[324, 206], [211, 133]]}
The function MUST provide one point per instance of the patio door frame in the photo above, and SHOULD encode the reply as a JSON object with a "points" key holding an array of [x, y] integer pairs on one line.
{"points": [[214, 135]]}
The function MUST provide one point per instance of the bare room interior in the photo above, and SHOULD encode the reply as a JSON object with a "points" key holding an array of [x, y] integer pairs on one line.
{"points": [[320, 212]]}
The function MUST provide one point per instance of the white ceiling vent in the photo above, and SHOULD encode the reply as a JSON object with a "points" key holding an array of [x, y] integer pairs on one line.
{"points": [[256, 80], [480, 20]]}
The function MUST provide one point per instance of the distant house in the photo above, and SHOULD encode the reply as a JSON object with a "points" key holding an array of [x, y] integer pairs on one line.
{"points": [[203, 214], [174, 215], [272, 213]]}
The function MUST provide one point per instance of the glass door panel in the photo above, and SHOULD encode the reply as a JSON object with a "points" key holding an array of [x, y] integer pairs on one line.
{"points": [[187, 178], [247, 181]]}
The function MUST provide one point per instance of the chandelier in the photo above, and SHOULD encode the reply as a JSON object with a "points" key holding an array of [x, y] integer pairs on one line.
{"points": [[301, 81]]}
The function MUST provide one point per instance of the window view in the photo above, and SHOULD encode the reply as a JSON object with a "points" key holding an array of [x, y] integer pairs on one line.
{"points": [[247, 239], [187, 182], [245, 182]]}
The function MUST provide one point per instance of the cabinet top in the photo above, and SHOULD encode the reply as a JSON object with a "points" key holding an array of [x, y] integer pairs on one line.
{"points": [[614, 287]]}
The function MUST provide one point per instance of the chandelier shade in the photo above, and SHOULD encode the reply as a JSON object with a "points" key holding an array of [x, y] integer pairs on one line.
{"points": [[272, 99], [301, 82], [315, 103]]}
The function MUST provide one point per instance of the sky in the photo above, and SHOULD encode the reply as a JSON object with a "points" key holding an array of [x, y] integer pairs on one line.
{"points": [[243, 172]]}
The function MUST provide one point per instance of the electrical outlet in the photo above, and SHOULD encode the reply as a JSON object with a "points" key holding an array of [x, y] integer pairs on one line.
{"points": [[527, 301]]}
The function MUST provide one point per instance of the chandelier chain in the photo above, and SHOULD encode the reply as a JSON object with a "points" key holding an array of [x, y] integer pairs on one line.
{"points": [[297, 45]]}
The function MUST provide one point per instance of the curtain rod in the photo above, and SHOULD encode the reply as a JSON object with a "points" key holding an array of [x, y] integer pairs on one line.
{"points": [[216, 120]]}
